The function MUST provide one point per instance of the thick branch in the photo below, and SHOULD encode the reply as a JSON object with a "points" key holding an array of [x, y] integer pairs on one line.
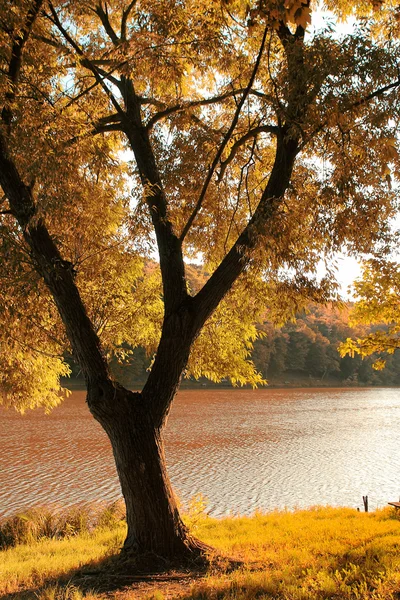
{"points": [[106, 128], [14, 66], [235, 262], [57, 273], [287, 149], [125, 17], [103, 15], [225, 140], [169, 246]]}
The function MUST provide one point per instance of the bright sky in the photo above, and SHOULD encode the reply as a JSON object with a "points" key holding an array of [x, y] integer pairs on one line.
{"points": [[348, 270]]}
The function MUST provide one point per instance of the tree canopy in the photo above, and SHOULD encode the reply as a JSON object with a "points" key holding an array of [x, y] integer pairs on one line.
{"points": [[215, 86]]}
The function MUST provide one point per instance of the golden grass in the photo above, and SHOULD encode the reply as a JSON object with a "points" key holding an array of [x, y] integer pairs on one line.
{"points": [[320, 553]]}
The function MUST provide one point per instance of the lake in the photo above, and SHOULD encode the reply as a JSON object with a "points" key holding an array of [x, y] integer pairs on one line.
{"points": [[242, 449]]}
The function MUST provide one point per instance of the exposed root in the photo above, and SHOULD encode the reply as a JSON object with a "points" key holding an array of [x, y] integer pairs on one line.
{"points": [[190, 553]]}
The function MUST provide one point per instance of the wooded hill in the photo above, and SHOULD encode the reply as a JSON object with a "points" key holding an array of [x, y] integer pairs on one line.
{"points": [[307, 352], [301, 353]]}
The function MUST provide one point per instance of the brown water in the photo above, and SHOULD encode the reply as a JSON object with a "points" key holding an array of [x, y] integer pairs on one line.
{"points": [[243, 449]]}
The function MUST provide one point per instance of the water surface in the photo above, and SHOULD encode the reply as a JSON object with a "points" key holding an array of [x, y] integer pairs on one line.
{"points": [[242, 449]]}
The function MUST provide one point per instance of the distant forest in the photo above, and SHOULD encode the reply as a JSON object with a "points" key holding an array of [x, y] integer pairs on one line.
{"points": [[306, 352], [303, 353]]}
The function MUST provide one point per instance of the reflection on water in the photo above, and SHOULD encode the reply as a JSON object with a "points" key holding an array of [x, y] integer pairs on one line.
{"points": [[242, 449]]}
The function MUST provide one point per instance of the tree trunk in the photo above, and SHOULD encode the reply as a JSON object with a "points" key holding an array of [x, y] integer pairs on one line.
{"points": [[154, 524]]}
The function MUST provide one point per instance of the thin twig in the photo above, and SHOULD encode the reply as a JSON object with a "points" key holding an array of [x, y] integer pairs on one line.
{"points": [[166, 112], [85, 61], [252, 133], [361, 102], [225, 140]]}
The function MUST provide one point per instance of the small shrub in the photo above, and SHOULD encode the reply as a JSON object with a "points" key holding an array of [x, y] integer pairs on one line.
{"points": [[28, 527], [111, 514], [56, 592], [196, 510]]}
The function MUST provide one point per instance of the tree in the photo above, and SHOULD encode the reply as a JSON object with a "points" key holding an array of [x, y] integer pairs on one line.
{"points": [[277, 364], [377, 303], [252, 142], [299, 345], [317, 362]]}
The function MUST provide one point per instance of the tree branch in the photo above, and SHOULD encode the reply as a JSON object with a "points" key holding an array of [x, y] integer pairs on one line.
{"points": [[104, 75], [225, 140], [169, 246], [166, 112], [103, 15], [235, 262], [85, 61], [57, 273], [102, 126], [287, 148], [33, 349], [124, 20], [379, 92], [14, 66], [252, 133]]}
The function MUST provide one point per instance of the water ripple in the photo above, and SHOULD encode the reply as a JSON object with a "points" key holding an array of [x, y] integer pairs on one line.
{"points": [[242, 449]]}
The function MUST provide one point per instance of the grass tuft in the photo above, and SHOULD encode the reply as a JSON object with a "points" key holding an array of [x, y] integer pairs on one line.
{"points": [[46, 523]]}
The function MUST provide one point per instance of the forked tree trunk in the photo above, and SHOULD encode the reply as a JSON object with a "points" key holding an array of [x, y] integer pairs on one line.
{"points": [[132, 421], [154, 523]]}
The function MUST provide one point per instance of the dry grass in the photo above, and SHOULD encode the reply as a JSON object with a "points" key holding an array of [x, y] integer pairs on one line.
{"points": [[321, 554], [38, 523]]}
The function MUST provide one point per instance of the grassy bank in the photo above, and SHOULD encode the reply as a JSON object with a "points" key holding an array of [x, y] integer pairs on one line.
{"points": [[321, 553]]}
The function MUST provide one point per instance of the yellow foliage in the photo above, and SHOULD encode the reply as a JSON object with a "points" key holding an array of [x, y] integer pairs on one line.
{"points": [[187, 65], [378, 296]]}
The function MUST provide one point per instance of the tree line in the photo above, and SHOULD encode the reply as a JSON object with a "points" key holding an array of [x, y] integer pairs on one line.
{"points": [[307, 351], [303, 352]]}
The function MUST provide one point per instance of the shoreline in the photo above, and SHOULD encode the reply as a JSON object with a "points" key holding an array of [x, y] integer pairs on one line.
{"points": [[79, 385]]}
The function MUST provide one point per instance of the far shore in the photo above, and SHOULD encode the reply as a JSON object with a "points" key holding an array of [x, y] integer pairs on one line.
{"points": [[289, 382]]}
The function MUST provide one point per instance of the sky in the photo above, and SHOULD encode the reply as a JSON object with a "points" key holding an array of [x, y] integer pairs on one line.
{"points": [[348, 270]]}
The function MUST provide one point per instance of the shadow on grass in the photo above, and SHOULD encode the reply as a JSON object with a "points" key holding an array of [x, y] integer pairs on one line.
{"points": [[222, 581], [362, 570], [115, 574]]}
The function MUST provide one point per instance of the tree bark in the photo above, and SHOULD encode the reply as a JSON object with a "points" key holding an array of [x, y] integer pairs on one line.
{"points": [[155, 528], [132, 421]]}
